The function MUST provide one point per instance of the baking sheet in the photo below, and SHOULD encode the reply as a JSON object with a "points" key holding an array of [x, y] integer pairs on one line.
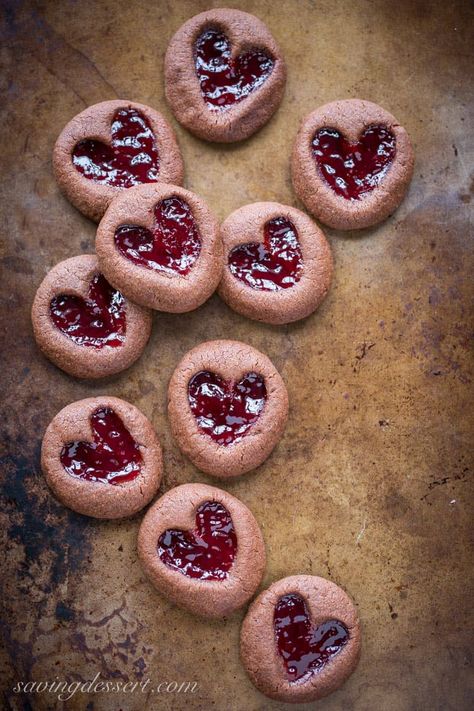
{"points": [[369, 486]]}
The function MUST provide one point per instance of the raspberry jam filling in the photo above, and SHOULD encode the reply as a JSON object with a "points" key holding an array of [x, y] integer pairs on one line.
{"points": [[354, 169], [97, 321], [305, 649], [208, 552], [113, 457], [172, 247], [131, 159], [272, 265], [225, 81], [226, 410]]}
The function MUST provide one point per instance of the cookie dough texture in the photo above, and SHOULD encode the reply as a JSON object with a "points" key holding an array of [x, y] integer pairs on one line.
{"points": [[284, 305], [182, 86], [73, 276], [258, 647], [350, 117], [231, 360], [175, 293], [93, 197], [94, 498], [207, 598]]}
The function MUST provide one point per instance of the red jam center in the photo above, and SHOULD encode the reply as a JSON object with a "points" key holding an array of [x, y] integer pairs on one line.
{"points": [[113, 457], [225, 81], [272, 265], [207, 552], [226, 410], [353, 169], [131, 159], [98, 321], [173, 245], [304, 648]]}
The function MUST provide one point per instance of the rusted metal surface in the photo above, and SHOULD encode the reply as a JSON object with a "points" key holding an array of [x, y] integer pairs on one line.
{"points": [[369, 486]]}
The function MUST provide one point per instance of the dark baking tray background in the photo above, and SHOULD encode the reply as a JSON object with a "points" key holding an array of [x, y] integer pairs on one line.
{"points": [[369, 486]]}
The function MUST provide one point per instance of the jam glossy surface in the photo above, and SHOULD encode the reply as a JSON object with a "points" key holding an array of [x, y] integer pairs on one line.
{"points": [[113, 457], [97, 321], [225, 81], [226, 410], [206, 553], [304, 648], [353, 169], [172, 247], [272, 265], [131, 159]]}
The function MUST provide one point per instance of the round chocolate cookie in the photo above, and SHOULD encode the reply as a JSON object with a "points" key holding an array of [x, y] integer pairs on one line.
{"points": [[352, 164], [224, 75], [227, 406], [278, 263], [101, 457], [112, 146], [301, 639], [84, 325], [203, 549], [159, 244]]}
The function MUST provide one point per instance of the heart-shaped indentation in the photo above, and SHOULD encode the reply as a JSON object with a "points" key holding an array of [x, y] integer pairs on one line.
{"points": [[208, 552], [113, 457], [224, 81], [97, 321], [303, 647], [131, 159], [353, 169], [226, 410], [172, 247], [271, 265]]}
